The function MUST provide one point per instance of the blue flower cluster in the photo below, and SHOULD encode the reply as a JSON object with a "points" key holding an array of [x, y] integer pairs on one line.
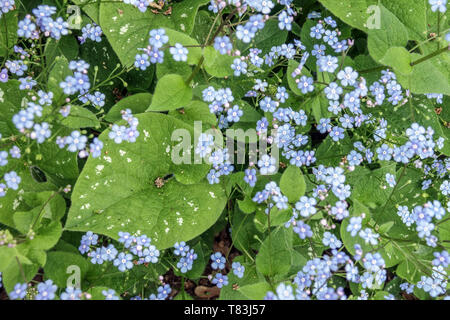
{"points": [[154, 52], [91, 31], [42, 22], [136, 250], [187, 256]]}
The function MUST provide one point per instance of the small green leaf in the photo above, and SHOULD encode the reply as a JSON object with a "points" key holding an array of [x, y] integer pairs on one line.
{"points": [[137, 103], [292, 183], [171, 93], [256, 291]]}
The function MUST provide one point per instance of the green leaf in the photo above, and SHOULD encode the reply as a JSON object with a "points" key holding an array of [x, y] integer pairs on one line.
{"points": [[8, 31], [184, 14], [391, 33], [171, 93], [137, 103], [398, 58], [194, 54], [266, 38], [250, 277], [292, 65], [117, 191], [216, 64], [80, 117], [57, 74], [430, 76], [67, 46], [292, 183], [195, 111], [352, 12], [57, 267], [319, 108], [256, 291], [275, 255], [247, 205]]}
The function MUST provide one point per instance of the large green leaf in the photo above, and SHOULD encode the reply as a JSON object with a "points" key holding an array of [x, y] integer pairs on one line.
{"points": [[117, 192]]}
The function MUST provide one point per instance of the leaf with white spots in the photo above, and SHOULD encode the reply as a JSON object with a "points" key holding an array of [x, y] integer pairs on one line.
{"points": [[113, 194]]}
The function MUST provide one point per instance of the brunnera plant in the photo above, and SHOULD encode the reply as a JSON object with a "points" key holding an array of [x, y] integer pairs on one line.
{"points": [[258, 149]]}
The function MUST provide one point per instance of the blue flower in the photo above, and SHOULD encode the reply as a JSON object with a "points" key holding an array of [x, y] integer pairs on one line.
{"points": [[213, 176], [337, 133], [142, 61], [181, 249], [384, 152], [151, 254], [23, 120], [317, 31], [438, 5], [76, 141], [284, 292], [333, 91], [354, 225], [267, 165], [441, 259], [46, 290], [158, 38], [330, 37], [19, 291], [373, 262], [26, 27], [12, 180], [445, 188], [238, 269], [124, 261], [331, 240], [369, 236], [163, 292], [184, 264], [328, 63], [220, 280], [390, 179], [218, 261], [239, 67], [223, 44], [2, 190], [71, 293], [285, 21], [347, 76], [108, 253], [305, 84], [110, 294], [234, 114], [245, 33], [250, 177], [41, 132], [303, 230], [179, 52], [306, 206], [354, 158]]}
